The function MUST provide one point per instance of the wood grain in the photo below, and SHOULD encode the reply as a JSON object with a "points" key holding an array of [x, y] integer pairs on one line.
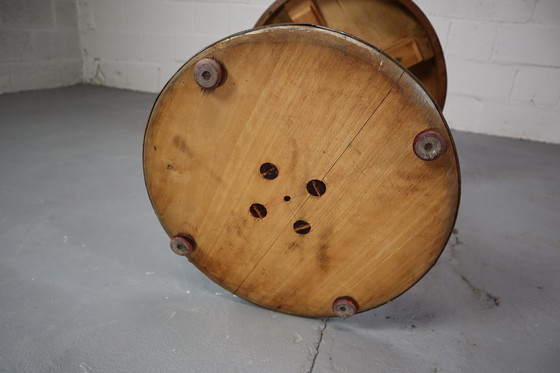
{"points": [[398, 27], [319, 105]]}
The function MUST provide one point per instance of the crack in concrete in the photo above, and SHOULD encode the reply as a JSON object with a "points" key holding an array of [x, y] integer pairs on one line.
{"points": [[321, 332], [483, 295], [491, 300]]}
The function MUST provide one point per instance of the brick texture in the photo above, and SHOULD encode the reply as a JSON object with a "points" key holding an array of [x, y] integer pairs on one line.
{"points": [[480, 79], [39, 44], [486, 10], [503, 56], [537, 86], [528, 44], [472, 40], [27, 13]]}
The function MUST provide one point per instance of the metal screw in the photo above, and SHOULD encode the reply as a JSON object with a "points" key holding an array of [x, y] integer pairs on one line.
{"points": [[316, 188], [429, 145], [182, 244], [302, 227], [344, 307], [258, 210], [208, 73], [269, 171]]}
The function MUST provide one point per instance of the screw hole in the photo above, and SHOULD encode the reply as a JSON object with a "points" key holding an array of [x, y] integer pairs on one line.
{"points": [[316, 188], [287, 198], [302, 227], [206, 75], [428, 146], [269, 171], [258, 210]]}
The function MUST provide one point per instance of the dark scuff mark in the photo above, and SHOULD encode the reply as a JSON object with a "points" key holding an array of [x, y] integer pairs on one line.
{"points": [[181, 145], [490, 299], [323, 257]]}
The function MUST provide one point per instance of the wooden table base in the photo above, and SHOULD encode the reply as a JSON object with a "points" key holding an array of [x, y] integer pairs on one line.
{"points": [[303, 170]]}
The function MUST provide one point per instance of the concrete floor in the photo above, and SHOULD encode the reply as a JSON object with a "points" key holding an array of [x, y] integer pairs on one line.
{"points": [[89, 284]]}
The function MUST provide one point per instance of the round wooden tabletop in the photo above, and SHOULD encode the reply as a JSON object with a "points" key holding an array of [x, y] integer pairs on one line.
{"points": [[314, 171], [398, 27]]}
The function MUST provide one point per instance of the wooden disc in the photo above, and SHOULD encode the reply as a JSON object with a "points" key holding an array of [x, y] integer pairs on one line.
{"points": [[398, 27], [297, 177]]}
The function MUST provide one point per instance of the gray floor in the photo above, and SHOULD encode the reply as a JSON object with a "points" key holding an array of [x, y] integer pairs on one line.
{"points": [[88, 283]]}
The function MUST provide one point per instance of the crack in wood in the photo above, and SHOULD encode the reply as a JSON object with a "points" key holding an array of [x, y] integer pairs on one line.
{"points": [[329, 170]]}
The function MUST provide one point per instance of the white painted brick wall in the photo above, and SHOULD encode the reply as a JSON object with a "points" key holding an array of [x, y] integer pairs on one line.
{"points": [[516, 11], [39, 44], [480, 78], [537, 85], [503, 59], [140, 44], [546, 12], [471, 40], [503, 56], [504, 66], [533, 44]]}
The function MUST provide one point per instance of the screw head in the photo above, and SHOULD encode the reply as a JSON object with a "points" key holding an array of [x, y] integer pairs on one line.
{"points": [[182, 244], [302, 227], [316, 188], [429, 145], [208, 73], [344, 307], [269, 171], [258, 210]]}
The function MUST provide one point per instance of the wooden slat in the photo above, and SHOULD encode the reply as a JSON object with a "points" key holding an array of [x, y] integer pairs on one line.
{"points": [[396, 26], [411, 51], [306, 11]]}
